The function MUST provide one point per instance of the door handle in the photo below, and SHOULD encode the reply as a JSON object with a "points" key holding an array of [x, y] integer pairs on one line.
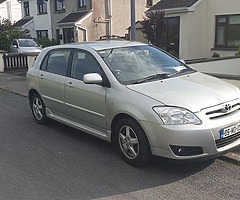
{"points": [[69, 84], [41, 76]]}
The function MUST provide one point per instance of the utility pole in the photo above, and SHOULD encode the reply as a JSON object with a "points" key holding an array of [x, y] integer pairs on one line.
{"points": [[133, 30]]}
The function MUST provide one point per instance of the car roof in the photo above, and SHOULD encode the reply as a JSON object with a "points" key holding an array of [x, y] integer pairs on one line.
{"points": [[24, 39], [100, 45]]}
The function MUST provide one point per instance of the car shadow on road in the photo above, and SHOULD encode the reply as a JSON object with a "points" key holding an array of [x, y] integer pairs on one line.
{"points": [[107, 173]]}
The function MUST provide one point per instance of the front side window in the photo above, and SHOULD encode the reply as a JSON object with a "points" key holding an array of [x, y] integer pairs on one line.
{"points": [[26, 8], [227, 31], [42, 34], [56, 62], [84, 63], [60, 5], [82, 3], [137, 64], [15, 43]]}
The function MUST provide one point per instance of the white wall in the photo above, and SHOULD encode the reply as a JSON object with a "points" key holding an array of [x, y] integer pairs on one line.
{"points": [[14, 13], [228, 67], [197, 28]]}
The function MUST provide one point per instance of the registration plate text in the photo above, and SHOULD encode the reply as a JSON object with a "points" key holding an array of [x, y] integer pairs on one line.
{"points": [[225, 132]]}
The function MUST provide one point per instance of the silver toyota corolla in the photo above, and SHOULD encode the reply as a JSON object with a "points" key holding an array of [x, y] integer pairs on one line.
{"points": [[136, 96]]}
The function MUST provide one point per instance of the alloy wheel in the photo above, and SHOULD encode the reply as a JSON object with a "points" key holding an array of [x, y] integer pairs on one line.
{"points": [[128, 142]]}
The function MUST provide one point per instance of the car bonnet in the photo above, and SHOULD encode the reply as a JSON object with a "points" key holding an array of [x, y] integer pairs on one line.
{"points": [[194, 91]]}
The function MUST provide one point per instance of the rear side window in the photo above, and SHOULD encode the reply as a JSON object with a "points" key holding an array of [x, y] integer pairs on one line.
{"points": [[56, 62]]}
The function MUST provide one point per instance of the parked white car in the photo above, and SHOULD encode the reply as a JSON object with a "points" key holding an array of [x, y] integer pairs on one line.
{"points": [[25, 46], [138, 97]]}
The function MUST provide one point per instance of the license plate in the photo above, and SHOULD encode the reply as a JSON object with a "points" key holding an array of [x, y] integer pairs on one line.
{"points": [[225, 132]]}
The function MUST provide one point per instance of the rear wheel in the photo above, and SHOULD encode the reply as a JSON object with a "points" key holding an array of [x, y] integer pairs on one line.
{"points": [[132, 142], [38, 109]]}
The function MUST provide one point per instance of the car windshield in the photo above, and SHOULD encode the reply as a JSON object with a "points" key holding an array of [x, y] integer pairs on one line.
{"points": [[137, 64], [27, 43]]}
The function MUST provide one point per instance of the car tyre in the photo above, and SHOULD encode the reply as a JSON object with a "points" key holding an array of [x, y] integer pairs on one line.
{"points": [[132, 142], [38, 109]]}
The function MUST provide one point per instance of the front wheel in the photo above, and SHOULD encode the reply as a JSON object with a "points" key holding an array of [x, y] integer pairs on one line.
{"points": [[132, 142], [38, 109]]}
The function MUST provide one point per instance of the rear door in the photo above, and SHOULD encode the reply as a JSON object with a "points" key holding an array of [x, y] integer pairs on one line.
{"points": [[52, 79], [85, 103]]}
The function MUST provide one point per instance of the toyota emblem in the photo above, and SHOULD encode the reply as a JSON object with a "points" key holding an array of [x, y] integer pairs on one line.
{"points": [[228, 107]]}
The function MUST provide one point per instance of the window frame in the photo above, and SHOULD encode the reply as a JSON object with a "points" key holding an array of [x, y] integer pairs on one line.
{"points": [[82, 3], [40, 35], [26, 8], [42, 8], [63, 7], [226, 26], [149, 3]]}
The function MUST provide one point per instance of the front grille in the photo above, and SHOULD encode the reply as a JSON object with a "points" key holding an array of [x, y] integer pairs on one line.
{"points": [[223, 109], [228, 140]]}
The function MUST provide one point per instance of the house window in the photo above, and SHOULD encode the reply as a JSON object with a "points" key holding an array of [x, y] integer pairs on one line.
{"points": [[60, 5], [82, 3], [26, 8], [42, 34], [42, 7], [227, 31], [149, 2]]}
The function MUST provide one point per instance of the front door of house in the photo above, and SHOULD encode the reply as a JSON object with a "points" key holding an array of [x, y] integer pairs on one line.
{"points": [[170, 39], [68, 35]]}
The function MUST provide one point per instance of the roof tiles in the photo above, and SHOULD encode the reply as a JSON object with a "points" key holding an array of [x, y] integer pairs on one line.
{"points": [[22, 22], [73, 17], [169, 4]]}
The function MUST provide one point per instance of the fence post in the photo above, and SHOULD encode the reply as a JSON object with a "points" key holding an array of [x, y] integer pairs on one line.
{"points": [[31, 60], [1, 63]]}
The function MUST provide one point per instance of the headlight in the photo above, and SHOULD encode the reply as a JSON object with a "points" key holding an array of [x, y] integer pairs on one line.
{"points": [[176, 116]]}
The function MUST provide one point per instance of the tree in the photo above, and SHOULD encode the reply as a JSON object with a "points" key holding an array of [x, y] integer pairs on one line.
{"points": [[8, 33], [153, 26]]}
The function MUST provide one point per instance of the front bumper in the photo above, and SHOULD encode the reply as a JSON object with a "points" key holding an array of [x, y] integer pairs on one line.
{"points": [[199, 141]]}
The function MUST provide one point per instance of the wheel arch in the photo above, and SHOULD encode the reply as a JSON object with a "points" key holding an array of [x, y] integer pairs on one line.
{"points": [[30, 94], [116, 120]]}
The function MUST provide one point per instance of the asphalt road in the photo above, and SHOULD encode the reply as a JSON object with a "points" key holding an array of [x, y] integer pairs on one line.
{"points": [[58, 162]]}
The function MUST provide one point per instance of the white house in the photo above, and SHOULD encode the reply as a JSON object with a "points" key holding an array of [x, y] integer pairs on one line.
{"points": [[36, 17], [200, 28], [10, 9]]}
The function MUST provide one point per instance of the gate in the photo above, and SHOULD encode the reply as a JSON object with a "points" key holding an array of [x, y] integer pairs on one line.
{"points": [[15, 61]]}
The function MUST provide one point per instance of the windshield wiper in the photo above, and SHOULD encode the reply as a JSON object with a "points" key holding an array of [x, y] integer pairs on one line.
{"points": [[152, 77], [183, 71]]}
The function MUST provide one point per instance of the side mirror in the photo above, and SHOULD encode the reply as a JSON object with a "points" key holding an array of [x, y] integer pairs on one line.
{"points": [[92, 78]]}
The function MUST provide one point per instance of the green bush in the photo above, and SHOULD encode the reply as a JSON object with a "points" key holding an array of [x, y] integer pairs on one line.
{"points": [[45, 42], [8, 33]]}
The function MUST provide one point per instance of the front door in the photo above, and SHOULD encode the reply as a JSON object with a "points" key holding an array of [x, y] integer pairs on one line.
{"points": [[68, 35], [85, 103]]}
